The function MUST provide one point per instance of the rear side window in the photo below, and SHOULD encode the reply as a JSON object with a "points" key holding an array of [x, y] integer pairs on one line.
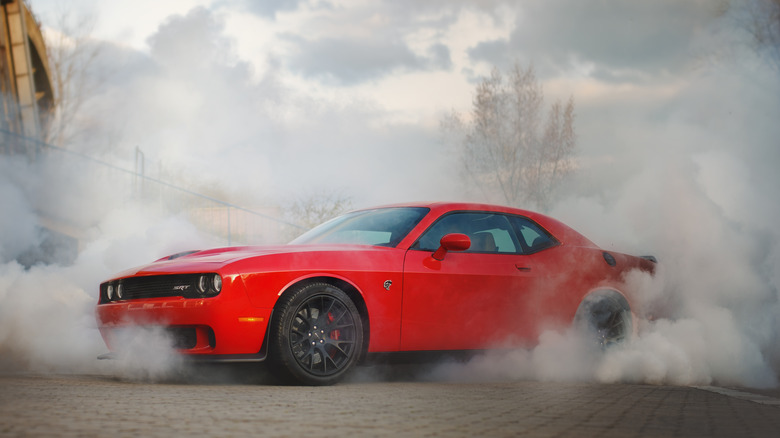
{"points": [[533, 238]]}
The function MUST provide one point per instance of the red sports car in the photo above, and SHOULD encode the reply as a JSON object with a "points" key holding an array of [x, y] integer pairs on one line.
{"points": [[402, 278]]}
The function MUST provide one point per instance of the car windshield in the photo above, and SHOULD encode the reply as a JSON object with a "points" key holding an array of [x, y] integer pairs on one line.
{"points": [[380, 227]]}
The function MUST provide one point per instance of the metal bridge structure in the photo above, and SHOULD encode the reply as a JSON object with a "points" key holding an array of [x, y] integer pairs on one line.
{"points": [[25, 80]]}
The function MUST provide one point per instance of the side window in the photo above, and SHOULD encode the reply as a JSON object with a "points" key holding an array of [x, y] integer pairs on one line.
{"points": [[489, 232], [533, 238]]}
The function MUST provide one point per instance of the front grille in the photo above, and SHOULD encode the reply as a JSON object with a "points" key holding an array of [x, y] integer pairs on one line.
{"points": [[154, 286], [159, 286]]}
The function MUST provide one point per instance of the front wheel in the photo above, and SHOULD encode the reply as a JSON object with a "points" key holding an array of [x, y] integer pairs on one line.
{"points": [[316, 335]]}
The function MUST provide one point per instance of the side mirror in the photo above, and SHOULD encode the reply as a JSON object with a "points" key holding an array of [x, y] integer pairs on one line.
{"points": [[451, 242]]}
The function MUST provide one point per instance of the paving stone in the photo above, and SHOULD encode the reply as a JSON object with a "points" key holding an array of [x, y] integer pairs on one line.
{"points": [[104, 406]]}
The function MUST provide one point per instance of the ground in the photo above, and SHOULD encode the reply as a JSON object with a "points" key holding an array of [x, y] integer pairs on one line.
{"points": [[100, 405]]}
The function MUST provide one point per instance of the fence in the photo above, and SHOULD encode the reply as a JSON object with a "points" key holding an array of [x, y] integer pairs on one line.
{"points": [[86, 182]]}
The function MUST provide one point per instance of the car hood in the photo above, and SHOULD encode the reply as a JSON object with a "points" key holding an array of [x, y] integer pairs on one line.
{"points": [[214, 259]]}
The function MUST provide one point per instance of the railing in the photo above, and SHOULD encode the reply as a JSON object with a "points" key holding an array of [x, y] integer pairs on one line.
{"points": [[226, 221]]}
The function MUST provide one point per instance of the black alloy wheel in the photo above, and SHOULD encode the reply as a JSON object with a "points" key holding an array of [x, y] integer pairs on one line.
{"points": [[317, 334], [607, 317]]}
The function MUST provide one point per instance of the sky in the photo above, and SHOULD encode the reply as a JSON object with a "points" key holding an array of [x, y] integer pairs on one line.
{"points": [[261, 102], [280, 89]]}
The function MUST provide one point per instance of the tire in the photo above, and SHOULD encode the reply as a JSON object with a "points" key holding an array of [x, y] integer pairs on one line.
{"points": [[316, 335], [606, 317]]}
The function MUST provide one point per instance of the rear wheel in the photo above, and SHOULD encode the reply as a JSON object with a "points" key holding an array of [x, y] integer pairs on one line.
{"points": [[607, 318], [316, 335]]}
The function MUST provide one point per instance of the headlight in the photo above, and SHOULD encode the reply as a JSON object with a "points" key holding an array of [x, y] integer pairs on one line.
{"points": [[209, 285], [110, 292], [119, 291], [217, 283]]}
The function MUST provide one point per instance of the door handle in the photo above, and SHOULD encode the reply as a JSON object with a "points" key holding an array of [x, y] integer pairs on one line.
{"points": [[523, 268]]}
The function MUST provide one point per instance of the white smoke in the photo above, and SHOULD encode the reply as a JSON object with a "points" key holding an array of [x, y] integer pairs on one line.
{"points": [[689, 178], [147, 354], [47, 320], [705, 203]]}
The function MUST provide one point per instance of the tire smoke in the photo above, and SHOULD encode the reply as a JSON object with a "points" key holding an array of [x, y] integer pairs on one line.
{"points": [[683, 169]]}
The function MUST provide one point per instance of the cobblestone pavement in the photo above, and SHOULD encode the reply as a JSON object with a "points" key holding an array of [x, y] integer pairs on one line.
{"points": [[33, 405]]}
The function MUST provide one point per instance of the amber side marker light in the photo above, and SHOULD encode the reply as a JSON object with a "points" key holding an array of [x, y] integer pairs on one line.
{"points": [[250, 319]]}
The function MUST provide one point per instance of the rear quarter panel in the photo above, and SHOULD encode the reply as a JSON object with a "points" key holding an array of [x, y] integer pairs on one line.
{"points": [[569, 273]]}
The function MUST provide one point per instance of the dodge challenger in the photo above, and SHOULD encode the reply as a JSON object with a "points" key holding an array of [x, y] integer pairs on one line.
{"points": [[434, 277]]}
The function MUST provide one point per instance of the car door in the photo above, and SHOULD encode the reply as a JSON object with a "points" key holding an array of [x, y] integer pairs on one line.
{"points": [[472, 299]]}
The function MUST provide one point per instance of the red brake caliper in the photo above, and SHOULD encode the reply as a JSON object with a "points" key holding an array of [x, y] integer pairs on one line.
{"points": [[334, 334]]}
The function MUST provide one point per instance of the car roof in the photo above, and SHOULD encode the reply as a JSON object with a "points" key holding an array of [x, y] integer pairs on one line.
{"points": [[561, 231], [449, 206]]}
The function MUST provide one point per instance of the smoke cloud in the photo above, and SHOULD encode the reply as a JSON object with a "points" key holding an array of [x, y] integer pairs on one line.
{"points": [[47, 321], [704, 202], [679, 164]]}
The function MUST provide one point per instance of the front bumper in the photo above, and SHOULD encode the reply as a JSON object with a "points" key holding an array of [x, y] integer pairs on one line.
{"points": [[222, 325]]}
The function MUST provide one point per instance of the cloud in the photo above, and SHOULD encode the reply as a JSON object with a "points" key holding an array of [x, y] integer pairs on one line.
{"points": [[619, 41], [364, 42], [192, 41], [269, 8], [346, 61], [201, 117]]}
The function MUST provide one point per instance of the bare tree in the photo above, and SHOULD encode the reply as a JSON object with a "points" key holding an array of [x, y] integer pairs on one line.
{"points": [[760, 19], [73, 55], [553, 155], [504, 152], [313, 209], [764, 25]]}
